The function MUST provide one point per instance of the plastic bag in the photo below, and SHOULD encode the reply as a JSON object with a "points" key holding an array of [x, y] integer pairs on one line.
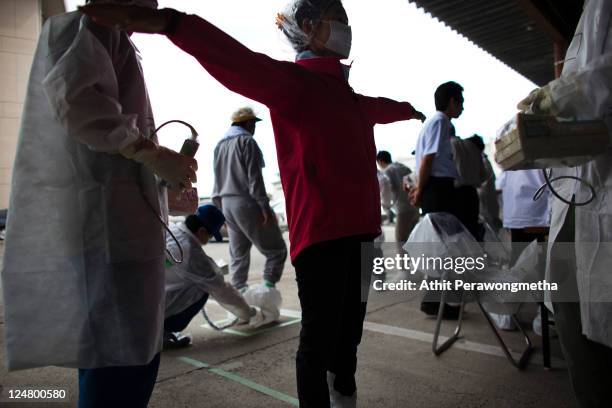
{"points": [[528, 268], [441, 235], [268, 300]]}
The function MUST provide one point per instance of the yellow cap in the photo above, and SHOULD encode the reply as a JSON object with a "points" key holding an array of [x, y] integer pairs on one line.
{"points": [[244, 114]]}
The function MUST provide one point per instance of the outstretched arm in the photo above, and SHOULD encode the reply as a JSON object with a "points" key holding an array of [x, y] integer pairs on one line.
{"points": [[241, 70], [384, 110]]}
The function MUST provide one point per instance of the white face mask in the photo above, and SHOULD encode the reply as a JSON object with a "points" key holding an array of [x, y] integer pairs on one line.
{"points": [[340, 38]]}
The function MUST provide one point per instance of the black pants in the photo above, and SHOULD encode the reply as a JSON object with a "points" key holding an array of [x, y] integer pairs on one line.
{"points": [[180, 321], [439, 196], [468, 207], [121, 387], [329, 287]]}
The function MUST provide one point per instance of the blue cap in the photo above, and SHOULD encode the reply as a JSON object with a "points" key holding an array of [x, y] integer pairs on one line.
{"points": [[212, 219]]}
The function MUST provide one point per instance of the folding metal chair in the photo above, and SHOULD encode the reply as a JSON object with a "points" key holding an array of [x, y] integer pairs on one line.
{"points": [[437, 348]]}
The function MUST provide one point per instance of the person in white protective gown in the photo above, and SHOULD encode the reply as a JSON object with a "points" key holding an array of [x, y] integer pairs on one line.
{"points": [[239, 191], [189, 284], [83, 273], [584, 91]]}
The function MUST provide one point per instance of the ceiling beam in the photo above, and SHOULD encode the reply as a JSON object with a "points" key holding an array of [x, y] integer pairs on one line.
{"points": [[543, 22]]}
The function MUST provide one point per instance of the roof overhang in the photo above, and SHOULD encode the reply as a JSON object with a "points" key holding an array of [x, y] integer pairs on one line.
{"points": [[520, 33]]}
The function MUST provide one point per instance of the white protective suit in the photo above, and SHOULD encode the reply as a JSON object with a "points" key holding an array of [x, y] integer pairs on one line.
{"points": [[187, 282], [584, 91], [83, 273]]}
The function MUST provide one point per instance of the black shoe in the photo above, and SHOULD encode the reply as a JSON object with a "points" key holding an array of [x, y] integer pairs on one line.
{"points": [[176, 340], [431, 309]]}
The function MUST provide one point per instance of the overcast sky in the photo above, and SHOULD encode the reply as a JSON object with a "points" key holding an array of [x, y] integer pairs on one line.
{"points": [[398, 52]]}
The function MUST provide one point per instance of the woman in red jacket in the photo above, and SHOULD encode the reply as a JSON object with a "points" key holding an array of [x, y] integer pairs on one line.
{"points": [[325, 144]]}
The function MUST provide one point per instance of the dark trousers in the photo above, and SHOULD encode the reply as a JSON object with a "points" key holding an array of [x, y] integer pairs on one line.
{"points": [[468, 207], [120, 387], [440, 195], [180, 321], [328, 275]]}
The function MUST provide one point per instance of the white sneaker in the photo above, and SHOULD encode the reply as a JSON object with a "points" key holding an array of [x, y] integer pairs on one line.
{"points": [[337, 400]]}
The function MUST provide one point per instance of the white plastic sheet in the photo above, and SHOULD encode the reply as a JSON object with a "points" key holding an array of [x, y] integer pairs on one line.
{"points": [[443, 235], [268, 300]]}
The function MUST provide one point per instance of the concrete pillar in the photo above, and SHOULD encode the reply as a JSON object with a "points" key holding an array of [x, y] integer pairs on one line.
{"points": [[20, 23]]}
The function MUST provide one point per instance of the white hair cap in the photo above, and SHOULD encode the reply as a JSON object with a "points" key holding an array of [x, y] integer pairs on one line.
{"points": [[296, 12]]}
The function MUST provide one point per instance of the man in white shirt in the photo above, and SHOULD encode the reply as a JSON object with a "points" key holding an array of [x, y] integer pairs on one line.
{"points": [[189, 284], [434, 159], [435, 191]]}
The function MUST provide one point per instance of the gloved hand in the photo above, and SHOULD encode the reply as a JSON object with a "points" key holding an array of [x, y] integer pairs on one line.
{"points": [[177, 169], [419, 116], [257, 317], [539, 102]]}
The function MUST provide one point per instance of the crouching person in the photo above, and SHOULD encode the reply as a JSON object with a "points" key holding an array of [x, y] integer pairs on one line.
{"points": [[189, 283]]}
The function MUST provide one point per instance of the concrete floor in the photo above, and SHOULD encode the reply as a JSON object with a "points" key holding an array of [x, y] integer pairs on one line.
{"points": [[242, 368]]}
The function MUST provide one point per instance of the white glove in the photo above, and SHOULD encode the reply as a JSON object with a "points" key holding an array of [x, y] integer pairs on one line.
{"points": [[177, 169], [539, 101], [258, 318]]}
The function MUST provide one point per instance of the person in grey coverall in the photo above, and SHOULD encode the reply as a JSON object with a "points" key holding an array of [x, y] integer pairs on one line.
{"points": [[240, 192]]}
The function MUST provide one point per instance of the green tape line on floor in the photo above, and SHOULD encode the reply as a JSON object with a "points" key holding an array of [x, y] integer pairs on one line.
{"points": [[193, 362], [243, 381], [254, 332]]}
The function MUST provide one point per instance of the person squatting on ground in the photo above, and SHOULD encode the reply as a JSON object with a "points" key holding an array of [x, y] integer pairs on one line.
{"points": [[325, 141], [240, 192], [190, 283], [83, 274], [407, 215]]}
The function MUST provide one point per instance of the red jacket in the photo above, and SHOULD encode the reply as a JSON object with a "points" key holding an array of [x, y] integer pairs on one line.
{"points": [[324, 132]]}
